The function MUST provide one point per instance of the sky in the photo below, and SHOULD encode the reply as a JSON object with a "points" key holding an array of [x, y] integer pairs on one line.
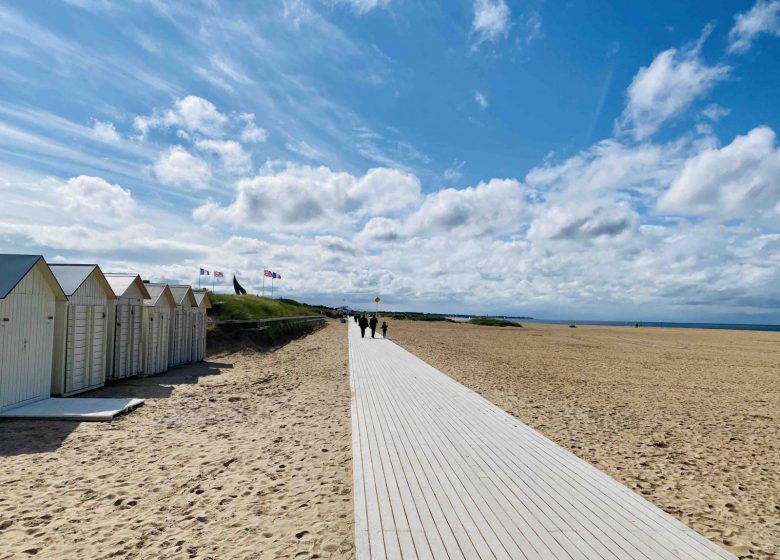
{"points": [[572, 160]]}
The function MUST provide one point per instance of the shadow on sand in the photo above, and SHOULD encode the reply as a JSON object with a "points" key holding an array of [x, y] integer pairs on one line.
{"points": [[21, 437]]}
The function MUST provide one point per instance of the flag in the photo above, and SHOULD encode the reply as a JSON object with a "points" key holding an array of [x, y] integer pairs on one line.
{"points": [[278, 276], [204, 272], [218, 274], [274, 275], [267, 273], [237, 287]]}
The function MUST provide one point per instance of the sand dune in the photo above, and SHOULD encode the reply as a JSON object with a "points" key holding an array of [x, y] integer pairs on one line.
{"points": [[246, 456], [688, 418]]}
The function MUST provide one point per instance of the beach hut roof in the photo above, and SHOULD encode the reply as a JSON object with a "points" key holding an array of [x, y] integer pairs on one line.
{"points": [[120, 282], [15, 267], [72, 276], [202, 299], [183, 295], [157, 291]]}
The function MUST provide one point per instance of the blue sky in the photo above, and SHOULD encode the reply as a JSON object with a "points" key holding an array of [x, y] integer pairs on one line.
{"points": [[579, 159]]}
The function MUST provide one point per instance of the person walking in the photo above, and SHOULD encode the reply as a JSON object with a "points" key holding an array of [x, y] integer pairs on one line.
{"points": [[373, 322], [356, 317], [363, 324], [384, 329]]}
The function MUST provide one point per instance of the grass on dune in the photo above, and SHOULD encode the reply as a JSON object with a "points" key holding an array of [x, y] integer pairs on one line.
{"points": [[227, 307], [491, 322]]}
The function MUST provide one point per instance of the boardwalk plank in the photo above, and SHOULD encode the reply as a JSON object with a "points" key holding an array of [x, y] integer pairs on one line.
{"points": [[440, 472]]}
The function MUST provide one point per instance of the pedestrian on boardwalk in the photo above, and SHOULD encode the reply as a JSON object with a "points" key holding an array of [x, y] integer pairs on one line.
{"points": [[356, 317], [384, 329], [363, 324], [373, 322]]}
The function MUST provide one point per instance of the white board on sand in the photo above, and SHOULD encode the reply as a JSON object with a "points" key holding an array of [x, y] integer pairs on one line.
{"points": [[442, 473], [82, 410]]}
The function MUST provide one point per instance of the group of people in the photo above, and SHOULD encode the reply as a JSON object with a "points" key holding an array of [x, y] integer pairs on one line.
{"points": [[365, 323]]}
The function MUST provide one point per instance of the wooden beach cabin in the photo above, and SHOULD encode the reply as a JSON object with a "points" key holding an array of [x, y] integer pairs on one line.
{"points": [[124, 320], [81, 329], [180, 342], [155, 328], [29, 293], [199, 332]]}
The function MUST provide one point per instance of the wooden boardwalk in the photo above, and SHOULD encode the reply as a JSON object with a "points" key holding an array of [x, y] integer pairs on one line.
{"points": [[440, 472]]}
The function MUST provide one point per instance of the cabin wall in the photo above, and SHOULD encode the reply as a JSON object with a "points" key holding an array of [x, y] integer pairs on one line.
{"points": [[84, 338], [26, 341]]}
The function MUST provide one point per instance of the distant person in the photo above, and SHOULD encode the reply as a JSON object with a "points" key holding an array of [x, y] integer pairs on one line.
{"points": [[384, 329], [373, 322], [357, 317], [363, 324]]}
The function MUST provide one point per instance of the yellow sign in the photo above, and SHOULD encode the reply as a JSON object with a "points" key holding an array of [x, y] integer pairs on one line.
{"points": [[376, 299]]}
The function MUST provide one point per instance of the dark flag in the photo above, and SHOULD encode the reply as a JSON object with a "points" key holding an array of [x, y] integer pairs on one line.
{"points": [[237, 287]]}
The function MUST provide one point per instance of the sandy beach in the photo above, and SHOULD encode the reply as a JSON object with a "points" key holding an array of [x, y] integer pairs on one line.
{"points": [[688, 418], [244, 456]]}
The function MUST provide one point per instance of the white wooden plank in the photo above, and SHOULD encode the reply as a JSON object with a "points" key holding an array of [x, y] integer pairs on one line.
{"points": [[442, 473]]}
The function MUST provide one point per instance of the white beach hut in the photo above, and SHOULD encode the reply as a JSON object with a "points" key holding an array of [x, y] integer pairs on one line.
{"points": [[180, 343], [155, 328], [28, 296], [124, 321], [81, 329], [199, 332]]}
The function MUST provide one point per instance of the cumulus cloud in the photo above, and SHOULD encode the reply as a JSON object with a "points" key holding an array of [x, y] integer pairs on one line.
{"points": [[177, 166], [105, 132], [96, 200], [314, 198], [584, 222], [666, 88], [741, 180], [233, 156], [495, 207], [192, 114], [763, 17], [492, 20], [481, 100]]}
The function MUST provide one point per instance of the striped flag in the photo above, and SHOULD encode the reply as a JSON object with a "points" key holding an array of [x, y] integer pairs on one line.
{"points": [[267, 273], [218, 274], [204, 272]]}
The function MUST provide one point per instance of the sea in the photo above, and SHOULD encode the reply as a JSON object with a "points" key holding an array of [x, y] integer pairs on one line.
{"points": [[723, 326]]}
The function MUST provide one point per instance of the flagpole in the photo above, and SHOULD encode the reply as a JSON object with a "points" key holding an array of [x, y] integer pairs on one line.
{"points": [[199, 279], [213, 279], [263, 283], [272, 287]]}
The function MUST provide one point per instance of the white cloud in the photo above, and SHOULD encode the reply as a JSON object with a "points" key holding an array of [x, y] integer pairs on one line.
{"points": [[253, 134], [454, 172], [667, 87], [362, 6], [492, 20], [94, 199], [763, 17], [481, 100], [491, 208], [715, 112], [192, 113], [233, 156], [304, 149], [303, 198], [741, 180], [177, 166], [105, 132]]}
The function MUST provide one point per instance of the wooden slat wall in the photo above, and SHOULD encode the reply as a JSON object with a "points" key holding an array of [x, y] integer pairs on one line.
{"points": [[86, 339], [26, 341]]}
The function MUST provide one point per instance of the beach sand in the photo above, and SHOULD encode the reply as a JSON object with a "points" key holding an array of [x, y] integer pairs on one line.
{"points": [[688, 418], [245, 456]]}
